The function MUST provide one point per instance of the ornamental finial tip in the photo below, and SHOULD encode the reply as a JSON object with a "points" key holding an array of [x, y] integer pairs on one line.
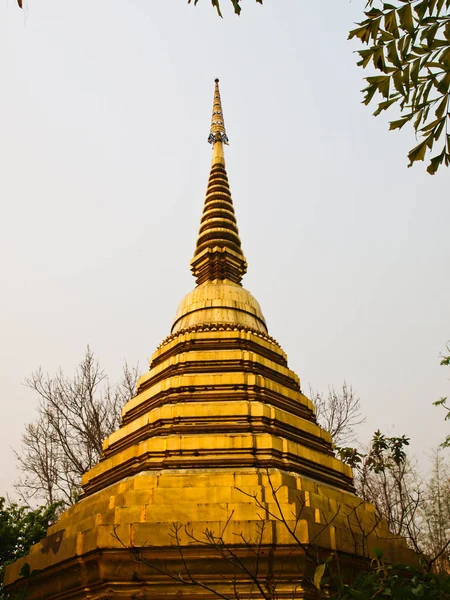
{"points": [[217, 132]]}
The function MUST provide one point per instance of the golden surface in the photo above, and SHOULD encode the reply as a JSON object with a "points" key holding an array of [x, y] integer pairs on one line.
{"points": [[218, 253], [217, 423], [217, 131], [139, 512], [219, 302]]}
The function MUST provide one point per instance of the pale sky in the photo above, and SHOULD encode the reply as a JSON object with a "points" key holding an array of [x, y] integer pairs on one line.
{"points": [[104, 114]]}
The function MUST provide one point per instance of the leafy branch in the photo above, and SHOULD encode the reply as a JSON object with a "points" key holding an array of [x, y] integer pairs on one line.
{"points": [[409, 43]]}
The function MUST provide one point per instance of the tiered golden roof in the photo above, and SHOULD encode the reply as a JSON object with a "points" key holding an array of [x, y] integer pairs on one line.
{"points": [[218, 254], [218, 421], [219, 391]]}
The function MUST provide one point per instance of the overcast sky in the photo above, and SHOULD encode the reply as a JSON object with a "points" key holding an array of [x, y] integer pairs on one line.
{"points": [[104, 113]]}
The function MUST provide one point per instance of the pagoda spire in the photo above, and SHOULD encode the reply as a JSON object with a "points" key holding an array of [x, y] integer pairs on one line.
{"points": [[218, 132], [218, 254]]}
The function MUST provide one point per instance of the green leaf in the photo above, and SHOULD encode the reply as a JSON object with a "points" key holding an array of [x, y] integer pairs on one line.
{"points": [[445, 362], [440, 402], [444, 84], [318, 575], [382, 83], [392, 54], [415, 71], [370, 92], [217, 5], [397, 78], [406, 18], [378, 553], [400, 122], [447, 31], [419, 116], [365, 55], [390, 23], [417, 153], [444, 59], [406, 82], [363, 33], [429, 126], [374, 27], [426, 91], [421, 9], [25, 570], [385, 105], [430, 34], [378, 58], [435, 164], [237, 8], [441, 109]]}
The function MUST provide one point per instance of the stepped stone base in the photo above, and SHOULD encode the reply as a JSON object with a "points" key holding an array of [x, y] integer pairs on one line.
{"points": [[120, 541]]}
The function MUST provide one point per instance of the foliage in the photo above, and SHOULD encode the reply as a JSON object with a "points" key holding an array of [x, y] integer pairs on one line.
{"points": [[384, 476], [415, 509], [384, 453], [401, 582], [75, 415], [445, 362], [408, 42], [20, 528]]}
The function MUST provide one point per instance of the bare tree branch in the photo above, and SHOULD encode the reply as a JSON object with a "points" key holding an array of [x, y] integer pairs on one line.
{"points": [[339, 412], [75, 415]]}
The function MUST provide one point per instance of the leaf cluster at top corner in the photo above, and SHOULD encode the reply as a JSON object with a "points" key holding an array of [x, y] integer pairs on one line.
{"points": [[409, 43]]}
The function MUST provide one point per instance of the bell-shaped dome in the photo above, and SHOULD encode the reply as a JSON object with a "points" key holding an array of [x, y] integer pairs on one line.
{"points": [[219, 302]]}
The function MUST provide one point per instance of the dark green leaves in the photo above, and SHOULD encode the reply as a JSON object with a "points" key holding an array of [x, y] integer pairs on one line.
{"points": [[406, 18], [409, 43], [383, 453], [399, 582], [20, 528]]}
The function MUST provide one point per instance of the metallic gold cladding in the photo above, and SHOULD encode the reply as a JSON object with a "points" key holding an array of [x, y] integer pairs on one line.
{"points": [[217, 132], [218, 421], [220, 301], [218, 254]]}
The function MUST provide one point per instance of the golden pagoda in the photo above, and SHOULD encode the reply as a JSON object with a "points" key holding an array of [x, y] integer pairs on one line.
{"points": [[219, 482]]}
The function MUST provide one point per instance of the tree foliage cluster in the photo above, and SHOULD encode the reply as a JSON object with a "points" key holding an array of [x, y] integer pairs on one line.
{"points": [[409, 43], [414, 507], [20, 528], [398, 582]]}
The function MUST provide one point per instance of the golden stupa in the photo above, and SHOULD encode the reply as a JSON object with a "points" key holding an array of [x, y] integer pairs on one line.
{"points": [[219, 471]]}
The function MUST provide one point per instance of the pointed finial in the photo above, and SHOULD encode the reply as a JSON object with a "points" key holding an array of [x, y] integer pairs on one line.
{"points": [[218, 254], [217, 132]]}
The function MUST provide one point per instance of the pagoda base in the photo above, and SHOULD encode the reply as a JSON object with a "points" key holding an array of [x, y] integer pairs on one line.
{"points": [[152, 534]]}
